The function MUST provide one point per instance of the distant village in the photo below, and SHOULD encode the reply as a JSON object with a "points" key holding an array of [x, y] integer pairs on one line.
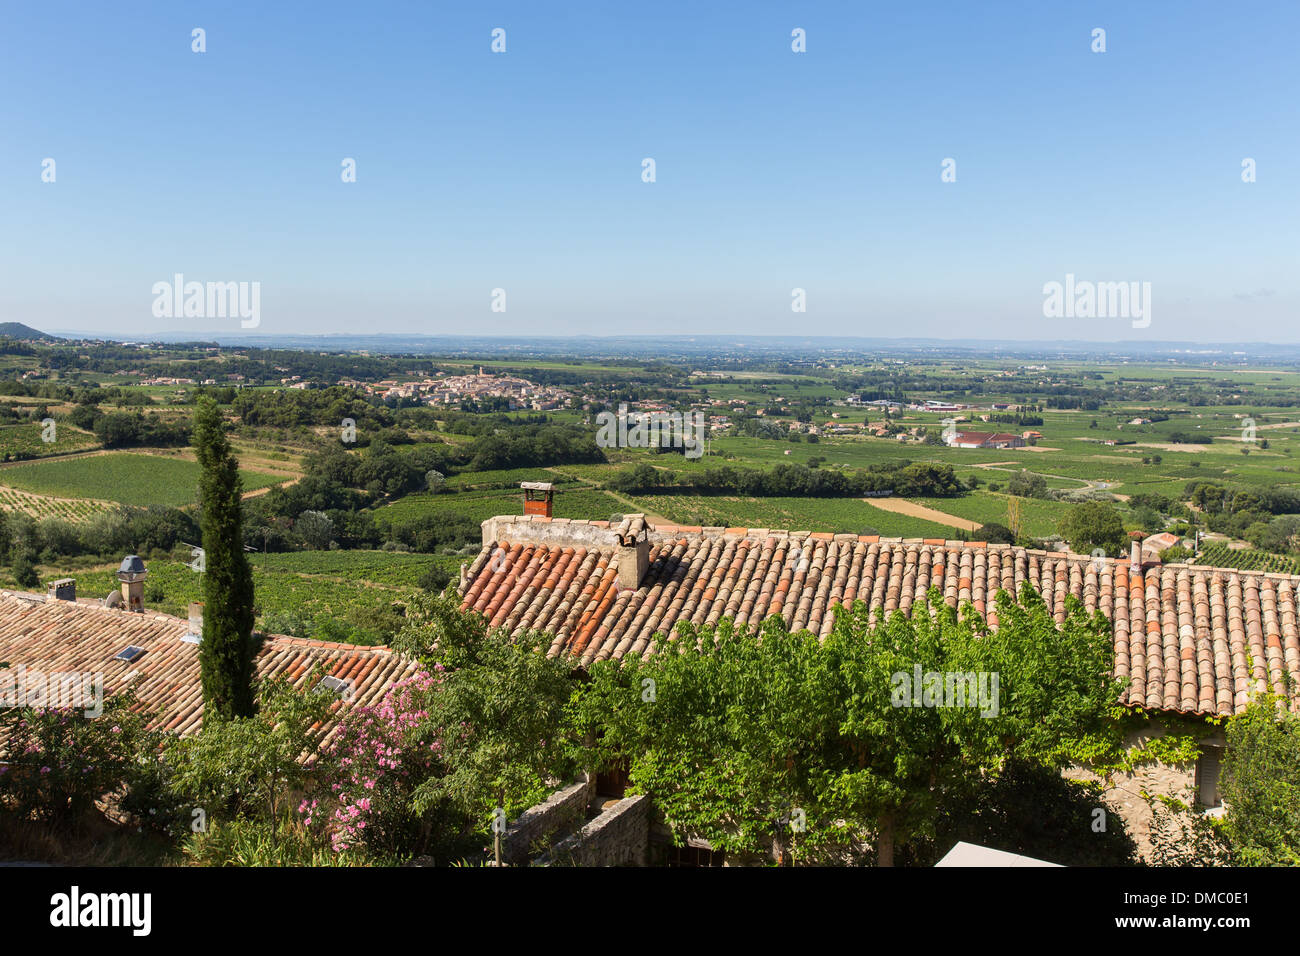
{"points": [[519, 394], [516, 393]]}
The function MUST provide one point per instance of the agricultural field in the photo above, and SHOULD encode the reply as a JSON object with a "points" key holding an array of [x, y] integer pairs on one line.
{"points": [[505, 478], [840, 515], [43, 506], [124, 477], [480, 505], [1248, 559], [347, 596], [20, 442], [390, 569], [1193, 421], [1038, 517]]}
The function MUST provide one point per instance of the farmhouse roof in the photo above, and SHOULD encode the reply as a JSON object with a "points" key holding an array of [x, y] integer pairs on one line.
{"points": [[52, 636], [1160, 542], [1191, 639]]}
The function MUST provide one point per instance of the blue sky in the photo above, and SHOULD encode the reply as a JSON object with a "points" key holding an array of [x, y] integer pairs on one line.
{"points": [[775, 170]]}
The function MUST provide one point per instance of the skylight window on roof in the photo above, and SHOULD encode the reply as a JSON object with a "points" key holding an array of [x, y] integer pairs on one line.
{"points": [[340, 687], [130, 653]]}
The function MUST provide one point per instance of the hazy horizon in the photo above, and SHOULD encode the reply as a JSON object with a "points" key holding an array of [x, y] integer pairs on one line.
{"points": [[489, 344]]}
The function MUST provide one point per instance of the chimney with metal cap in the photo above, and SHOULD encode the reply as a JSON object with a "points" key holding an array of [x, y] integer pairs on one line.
{"points": [[132, 574]]}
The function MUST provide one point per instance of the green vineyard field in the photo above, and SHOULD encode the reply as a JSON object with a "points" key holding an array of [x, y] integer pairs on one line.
{"points": [[1221, 556]]}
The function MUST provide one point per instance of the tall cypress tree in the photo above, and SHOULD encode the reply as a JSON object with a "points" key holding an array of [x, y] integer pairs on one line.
{"points": [[226, 654]]}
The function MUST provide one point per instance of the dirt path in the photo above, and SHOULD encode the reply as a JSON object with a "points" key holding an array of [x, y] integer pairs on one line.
{"points": [[996, 466], [1172, 446], [257, 492], [61, 456], [650, 516], [589, 485], [902, 506]]}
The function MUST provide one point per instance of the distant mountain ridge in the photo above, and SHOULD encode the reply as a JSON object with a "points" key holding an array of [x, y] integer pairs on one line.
{"points": [[16, 330]]}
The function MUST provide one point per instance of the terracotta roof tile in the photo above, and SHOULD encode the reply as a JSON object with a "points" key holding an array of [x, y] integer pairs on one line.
{"points": [[1192, 639], [77, 637]]}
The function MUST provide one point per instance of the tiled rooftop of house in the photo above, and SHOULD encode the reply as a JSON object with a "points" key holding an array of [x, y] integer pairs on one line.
{"points": [[1191, 639], [53, 636]]}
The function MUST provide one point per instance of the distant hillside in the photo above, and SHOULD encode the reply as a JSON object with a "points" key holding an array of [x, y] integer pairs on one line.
{"points": [[16, 330]]}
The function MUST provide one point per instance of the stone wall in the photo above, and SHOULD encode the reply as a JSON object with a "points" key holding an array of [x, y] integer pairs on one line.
{"points": [[578, 532], [620, 836], [1124, 795], [553, 532], [559, 814]]}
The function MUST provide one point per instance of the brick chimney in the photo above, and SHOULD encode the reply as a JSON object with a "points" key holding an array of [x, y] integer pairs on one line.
{"points": [[633, 550], [64, 589], [538, 496], [1135, 557]]}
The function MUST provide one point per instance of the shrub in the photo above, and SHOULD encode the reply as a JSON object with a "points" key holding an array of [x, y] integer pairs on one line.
{"points": [[1027, 485], [434, 580], [1261, 784], [62, 759], [25, 572], [283, 842], [372, 768], [995, 533], [249, 766]]}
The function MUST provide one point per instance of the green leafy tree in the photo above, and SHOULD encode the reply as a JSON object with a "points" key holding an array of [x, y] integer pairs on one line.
{"points": [[24, 571], [995, 533], [1182, 835], [1027, 485], [316, 528], [226, 654], [719, 733], [251, 766], [897, 767], [1261, 784], [1093, 524], [827, 750], [498, 715]]}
